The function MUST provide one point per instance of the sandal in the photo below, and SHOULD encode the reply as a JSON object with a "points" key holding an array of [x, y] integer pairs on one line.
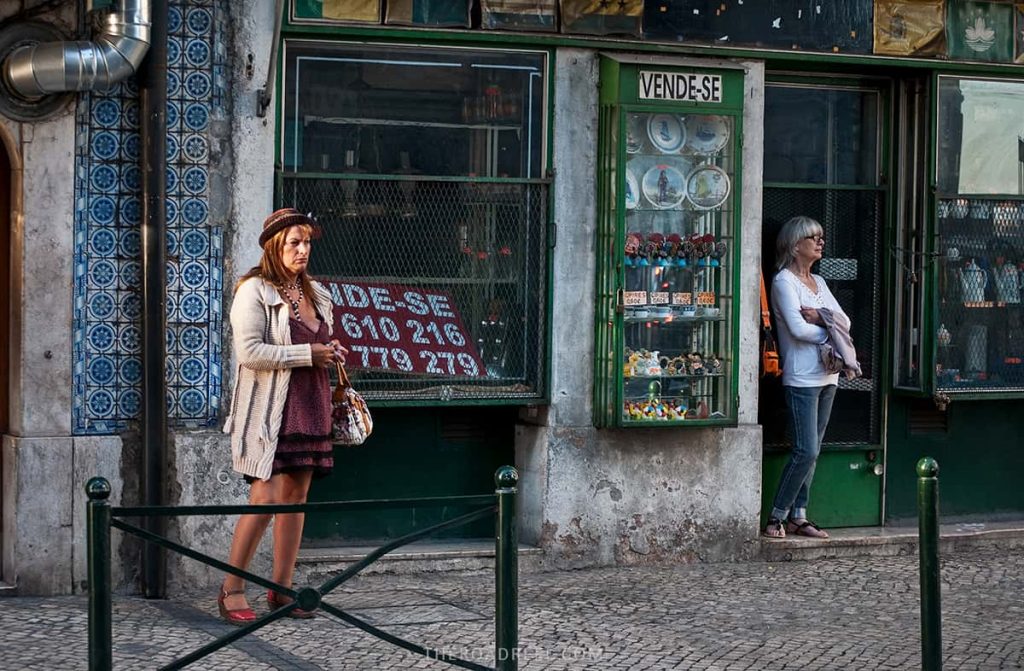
{"points": [[275, 601], [236, 616], [774, 529], [806, 528]]}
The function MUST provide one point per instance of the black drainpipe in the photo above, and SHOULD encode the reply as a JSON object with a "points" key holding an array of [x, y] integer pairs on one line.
{"points": [[153, 134]]}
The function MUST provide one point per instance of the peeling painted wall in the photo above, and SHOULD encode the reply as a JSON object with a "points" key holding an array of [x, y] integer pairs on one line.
{"points": [[599, 497]]}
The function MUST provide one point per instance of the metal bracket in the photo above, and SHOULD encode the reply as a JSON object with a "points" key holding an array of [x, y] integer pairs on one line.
{"points": [[265, 94]]}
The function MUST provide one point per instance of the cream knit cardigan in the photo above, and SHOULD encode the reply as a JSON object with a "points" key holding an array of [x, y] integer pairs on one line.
{"points": [[266, 355]]}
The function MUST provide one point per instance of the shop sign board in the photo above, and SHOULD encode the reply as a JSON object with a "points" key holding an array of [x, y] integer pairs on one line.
{"points": [[700, 87], [402, 329]]}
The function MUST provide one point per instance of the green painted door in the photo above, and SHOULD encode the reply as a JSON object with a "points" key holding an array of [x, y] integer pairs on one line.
{"points": [[415, 452], [824, 159], [977, 444]]}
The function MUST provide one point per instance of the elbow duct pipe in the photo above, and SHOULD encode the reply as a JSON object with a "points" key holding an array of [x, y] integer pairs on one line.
{"points": [[36, 70]]}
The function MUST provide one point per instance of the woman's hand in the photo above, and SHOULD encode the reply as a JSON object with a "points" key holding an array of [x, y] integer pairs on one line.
{"points": [[325, 356], [811, 316], [339, 351]]}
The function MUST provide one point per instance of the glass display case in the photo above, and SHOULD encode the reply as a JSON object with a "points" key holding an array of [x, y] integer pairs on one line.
{"points": [[979, 233], [666, 319]]}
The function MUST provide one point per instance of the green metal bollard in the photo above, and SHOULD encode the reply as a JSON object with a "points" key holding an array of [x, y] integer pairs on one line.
{"points": [[98, 557], [506, 573], [928, 555]]}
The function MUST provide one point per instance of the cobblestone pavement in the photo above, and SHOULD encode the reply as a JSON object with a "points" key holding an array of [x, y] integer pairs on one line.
{"points": [[830, 614]]}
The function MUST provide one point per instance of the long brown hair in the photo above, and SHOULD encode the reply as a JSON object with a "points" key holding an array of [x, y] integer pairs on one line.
{"points": [[271, 268]]}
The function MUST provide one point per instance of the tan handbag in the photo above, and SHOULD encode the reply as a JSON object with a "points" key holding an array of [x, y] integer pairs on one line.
{"points": [[351, 423], [769, 352]]}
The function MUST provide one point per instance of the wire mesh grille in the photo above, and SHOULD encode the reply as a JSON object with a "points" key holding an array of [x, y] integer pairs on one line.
{"points": [[979, 337], [851, 265], [440, 286]]}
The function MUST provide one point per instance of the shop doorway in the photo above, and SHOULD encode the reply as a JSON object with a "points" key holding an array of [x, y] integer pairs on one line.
{"points": [[824, 158]]}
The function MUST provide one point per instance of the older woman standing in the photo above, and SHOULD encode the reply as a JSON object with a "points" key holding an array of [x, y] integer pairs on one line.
{"points": [[797, 297], [280, 421]]}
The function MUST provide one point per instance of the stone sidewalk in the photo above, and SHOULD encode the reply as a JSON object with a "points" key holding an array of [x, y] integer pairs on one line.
{"points": [[846, 613]]}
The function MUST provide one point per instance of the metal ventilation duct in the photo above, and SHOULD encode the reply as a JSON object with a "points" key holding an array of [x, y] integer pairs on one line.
{"points": [[36, 70]]}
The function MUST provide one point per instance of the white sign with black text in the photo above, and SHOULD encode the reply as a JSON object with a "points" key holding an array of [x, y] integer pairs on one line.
{"points": [[681, 86]]}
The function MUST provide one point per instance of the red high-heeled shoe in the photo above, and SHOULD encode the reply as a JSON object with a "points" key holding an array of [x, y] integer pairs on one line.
{"points": [[238, 616], [275, 601]]}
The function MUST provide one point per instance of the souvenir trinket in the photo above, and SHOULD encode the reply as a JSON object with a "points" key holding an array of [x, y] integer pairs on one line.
{"points": [[632, 249]]}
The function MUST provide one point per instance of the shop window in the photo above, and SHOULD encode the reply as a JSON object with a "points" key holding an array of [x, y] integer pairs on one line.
{"points": [[978, 334], [426, 169]]}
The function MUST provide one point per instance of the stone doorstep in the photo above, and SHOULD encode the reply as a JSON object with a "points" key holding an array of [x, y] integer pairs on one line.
{"points": [[418, 557], [7, 589], [891, 541]]}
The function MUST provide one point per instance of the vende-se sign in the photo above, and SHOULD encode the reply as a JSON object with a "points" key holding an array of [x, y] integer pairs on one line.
{"points": [[680, 86], [408, 329]]}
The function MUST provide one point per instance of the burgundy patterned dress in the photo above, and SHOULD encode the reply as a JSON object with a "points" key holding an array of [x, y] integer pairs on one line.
{"points": [[304, 441]]}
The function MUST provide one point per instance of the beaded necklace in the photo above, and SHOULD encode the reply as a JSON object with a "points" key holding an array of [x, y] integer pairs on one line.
{"points": [[287, 289]]}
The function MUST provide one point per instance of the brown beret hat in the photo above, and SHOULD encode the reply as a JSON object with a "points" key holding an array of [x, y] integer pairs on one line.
{"points": [[284, 218]]}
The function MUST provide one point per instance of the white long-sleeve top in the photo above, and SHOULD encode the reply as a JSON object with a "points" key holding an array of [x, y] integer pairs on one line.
{"points": [[798, 340]]}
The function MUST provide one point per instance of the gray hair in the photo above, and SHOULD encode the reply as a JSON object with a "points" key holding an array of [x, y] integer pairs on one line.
{"points": [[793, 231]]}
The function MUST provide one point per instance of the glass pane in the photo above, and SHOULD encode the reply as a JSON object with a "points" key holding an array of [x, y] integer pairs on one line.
{"points": [[979, 341], [405, 110], [820, 136], [981, 137], [678, 202]]}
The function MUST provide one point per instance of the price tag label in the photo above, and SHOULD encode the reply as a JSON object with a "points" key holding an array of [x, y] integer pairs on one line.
{"points": [[634, 298], [705, 298], [682, 298], [659, 298]]}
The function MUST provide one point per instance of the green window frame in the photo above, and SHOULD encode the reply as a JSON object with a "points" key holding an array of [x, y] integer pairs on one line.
{"points": [[427, 170]]}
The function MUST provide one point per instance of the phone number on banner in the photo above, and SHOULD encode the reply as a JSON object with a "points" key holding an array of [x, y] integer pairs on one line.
{"points": [[398, 328]]}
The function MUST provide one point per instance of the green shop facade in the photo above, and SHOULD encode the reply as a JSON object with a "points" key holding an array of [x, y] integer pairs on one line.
{"points": [[544, 250]]}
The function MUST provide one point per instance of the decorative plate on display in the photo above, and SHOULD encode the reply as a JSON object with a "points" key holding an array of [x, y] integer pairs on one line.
{"points": [[632, 191], [664, 187], [707, 187], [666, 132], [634, 133], [706, 134]]}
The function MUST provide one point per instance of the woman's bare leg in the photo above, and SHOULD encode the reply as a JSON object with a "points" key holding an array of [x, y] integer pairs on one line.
{"points": [[248, 533], [293, 487]]}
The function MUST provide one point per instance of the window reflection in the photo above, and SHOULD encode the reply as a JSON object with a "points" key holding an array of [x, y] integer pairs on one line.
{"points": [[981, 136], [398, 110], [820, 136]]}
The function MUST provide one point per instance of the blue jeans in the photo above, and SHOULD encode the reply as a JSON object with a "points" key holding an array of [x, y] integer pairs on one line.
{"points": [[809, 410]]}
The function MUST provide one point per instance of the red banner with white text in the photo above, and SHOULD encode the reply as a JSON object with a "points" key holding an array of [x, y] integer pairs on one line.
{"points": [[402, 329]]}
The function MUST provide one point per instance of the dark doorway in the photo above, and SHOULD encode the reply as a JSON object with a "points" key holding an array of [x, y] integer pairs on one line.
{"points": [[824, 159]]}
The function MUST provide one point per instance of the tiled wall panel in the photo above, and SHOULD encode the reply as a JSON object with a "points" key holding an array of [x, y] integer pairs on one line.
{"points": [[107, 290]]}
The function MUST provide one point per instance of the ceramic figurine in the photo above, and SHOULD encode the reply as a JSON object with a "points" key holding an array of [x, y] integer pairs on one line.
{"points": [[684, 253], [655, 242], [632, 249], [718, 253]]}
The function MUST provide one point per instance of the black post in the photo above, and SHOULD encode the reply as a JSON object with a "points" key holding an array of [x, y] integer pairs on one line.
{"points": [[506, 573], [153, 133], [98, 564], [928, 556]]}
